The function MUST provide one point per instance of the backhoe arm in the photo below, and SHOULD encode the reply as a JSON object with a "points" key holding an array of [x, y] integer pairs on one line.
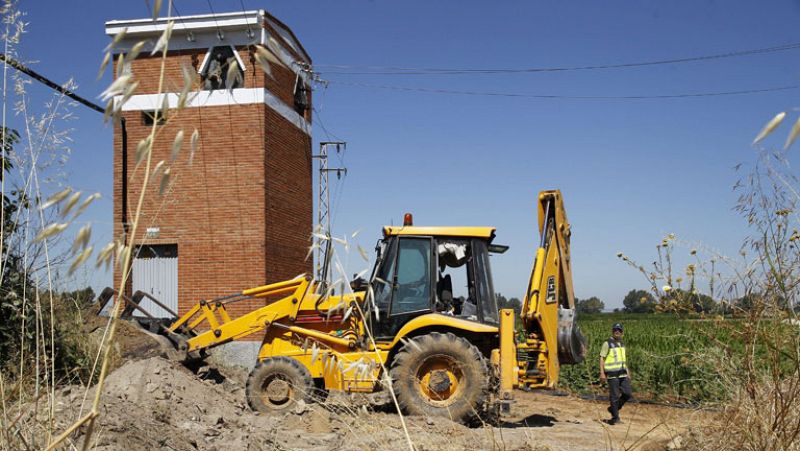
{"points": [[548, 311], [551, 277]]}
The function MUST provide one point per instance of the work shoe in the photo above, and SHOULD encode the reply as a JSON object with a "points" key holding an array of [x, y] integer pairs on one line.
{"points": [[613, 421]]}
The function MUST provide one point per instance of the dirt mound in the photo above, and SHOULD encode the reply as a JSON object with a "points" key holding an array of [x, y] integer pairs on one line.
{"points": [[159, 404]]}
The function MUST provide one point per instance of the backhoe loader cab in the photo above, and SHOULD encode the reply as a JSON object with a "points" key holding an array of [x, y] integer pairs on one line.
{"points": [[432, 270], [426, 325]]}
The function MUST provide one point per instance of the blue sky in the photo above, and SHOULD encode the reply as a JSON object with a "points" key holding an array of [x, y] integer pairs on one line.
{"points": [[631, 171]]}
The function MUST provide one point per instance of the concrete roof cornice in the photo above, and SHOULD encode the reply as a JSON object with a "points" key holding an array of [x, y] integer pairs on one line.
{"points": [[200, 24]]}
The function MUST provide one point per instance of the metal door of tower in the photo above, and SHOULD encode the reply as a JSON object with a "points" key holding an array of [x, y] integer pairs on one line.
{"points": [[155, 272]]}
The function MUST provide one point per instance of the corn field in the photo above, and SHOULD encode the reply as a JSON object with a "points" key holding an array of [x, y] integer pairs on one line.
{"points": [[664, 353]]}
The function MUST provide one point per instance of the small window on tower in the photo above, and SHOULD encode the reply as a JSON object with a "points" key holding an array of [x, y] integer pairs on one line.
{"points": [[148, 117], [222, 69]]}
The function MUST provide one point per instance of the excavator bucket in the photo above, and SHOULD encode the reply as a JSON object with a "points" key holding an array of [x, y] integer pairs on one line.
{"points": [[571, 341]]}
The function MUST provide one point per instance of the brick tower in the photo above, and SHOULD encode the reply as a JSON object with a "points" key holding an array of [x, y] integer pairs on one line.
{"points": [[238, 212]]}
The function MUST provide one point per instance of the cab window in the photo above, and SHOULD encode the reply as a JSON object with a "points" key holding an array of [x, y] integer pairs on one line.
{"points": [[413, 279], [464, 285], [384, 278], [483, 282]]}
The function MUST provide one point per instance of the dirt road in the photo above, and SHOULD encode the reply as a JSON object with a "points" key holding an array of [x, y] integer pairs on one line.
{"points": [[571, 423]]}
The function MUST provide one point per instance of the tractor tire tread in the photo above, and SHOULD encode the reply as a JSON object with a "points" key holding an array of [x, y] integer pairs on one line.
{"points": [[288, 367], [473, 404]]}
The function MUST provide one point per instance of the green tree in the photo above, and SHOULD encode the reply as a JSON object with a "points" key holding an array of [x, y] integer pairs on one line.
{"points": [[746, 302], [699, 302], [704, 303], [513, 303], [639, 301], [591, 305], [80, 298]]}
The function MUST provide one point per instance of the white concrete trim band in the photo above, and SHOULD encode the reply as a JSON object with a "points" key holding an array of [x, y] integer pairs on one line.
{"points": [[199, 31], [241, 96], [192, 22]]}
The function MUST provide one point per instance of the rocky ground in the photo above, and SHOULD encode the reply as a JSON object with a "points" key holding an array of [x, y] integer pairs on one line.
{"points": [[155, 403]]}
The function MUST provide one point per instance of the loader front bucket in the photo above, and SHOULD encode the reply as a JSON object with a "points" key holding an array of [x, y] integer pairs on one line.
{"points": [[172, 343]]}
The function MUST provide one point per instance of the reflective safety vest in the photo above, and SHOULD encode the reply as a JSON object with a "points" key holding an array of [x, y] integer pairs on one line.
{"points": [[615, 360]]}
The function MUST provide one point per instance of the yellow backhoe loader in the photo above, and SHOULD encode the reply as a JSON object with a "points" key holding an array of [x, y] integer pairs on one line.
{"points": [[426, 324]]}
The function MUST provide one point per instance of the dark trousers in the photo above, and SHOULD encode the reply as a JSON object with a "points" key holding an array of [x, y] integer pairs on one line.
{"points": [[615, 386]]}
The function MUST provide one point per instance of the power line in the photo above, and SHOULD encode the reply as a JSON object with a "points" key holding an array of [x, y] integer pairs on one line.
{"points": [[384, 70], [249, 31], [330, 135], [566, 97], [220, 35], [178, 14], [42, 79]]}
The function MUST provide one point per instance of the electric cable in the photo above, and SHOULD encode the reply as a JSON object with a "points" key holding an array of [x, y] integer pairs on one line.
{"points": [[388, 70], [330, 135], [220, 35], [180, 16], [249, 31], [49, 83], [567, 97]]}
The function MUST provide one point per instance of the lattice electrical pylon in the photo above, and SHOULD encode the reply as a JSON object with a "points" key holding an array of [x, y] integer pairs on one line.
{"points": [[323, 226]]}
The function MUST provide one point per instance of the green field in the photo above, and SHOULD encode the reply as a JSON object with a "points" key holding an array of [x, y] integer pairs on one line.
{"points": [[664, 353]]}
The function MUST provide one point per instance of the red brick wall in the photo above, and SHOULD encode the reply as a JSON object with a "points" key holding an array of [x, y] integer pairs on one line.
{"points": [[241, 214], [288, 198], [146, 70]]}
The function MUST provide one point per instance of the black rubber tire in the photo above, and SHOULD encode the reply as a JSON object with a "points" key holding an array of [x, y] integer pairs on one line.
{"points": [[299, 386], [469, 399]]}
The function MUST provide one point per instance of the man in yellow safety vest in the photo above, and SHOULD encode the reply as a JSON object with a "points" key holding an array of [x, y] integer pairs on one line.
{"points": [[614, 369]]}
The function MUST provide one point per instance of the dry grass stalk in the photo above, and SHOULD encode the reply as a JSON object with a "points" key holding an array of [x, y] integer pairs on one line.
{"points": [[163, 45], [36, 372], [770, 127], [754, 357], [347, 290], [124, 86]]}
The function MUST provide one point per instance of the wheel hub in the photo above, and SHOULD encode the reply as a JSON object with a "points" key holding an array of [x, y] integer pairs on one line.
{"points": [[439, 381], [278, 391]]}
